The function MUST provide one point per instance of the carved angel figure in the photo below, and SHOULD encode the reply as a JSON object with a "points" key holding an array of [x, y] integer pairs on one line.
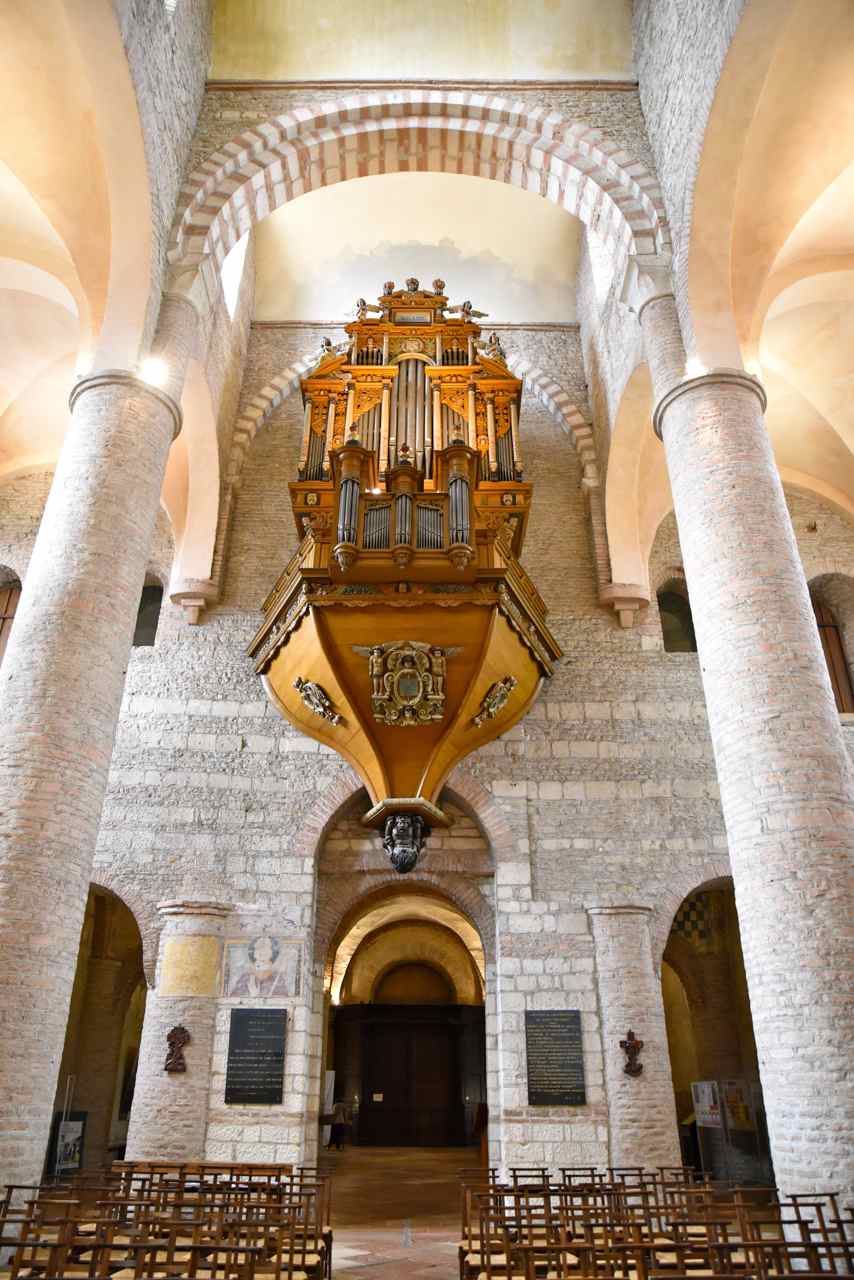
{"points": [[363, 307], [467, 311], [316, 698]]}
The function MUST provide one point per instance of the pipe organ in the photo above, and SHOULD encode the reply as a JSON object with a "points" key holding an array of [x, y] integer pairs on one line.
{"points": [[404, 632]]}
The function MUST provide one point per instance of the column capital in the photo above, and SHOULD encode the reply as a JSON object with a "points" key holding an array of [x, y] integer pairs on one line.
{"points": [[715, 378], [647, 276], [193, 907], [124, 378], [630, 909], [185, 283], [193, 595]]}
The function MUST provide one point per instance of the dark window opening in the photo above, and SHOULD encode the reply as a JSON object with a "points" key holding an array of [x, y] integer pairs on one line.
{"points": [[834, 656], [10, 594], [677, 625], [148, 616]]}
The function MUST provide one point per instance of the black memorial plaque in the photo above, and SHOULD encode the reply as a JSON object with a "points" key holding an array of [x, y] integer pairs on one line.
{"points": [[555, 1058], [256, 1056]]}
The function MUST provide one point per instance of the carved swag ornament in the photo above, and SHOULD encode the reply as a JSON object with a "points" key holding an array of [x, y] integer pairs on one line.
{"points": [[495, 698]]}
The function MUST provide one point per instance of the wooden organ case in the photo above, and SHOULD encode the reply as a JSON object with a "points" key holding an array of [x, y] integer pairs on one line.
{"points": [[404, 632]]}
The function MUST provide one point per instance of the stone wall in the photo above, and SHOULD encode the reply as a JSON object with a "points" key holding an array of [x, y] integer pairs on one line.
{"points": [[168, 53], [228, 112], [680, 47]]}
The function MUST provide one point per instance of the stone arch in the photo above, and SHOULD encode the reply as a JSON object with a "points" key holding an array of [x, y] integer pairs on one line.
{"points": [[707, 875], [682, 958], [485, 810], [334, 919], [577, 167], [424, 943], [142, 908]]}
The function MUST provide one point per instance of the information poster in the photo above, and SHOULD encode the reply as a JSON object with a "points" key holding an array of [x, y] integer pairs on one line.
{"points": [[739, 1111], [707, 1107]]}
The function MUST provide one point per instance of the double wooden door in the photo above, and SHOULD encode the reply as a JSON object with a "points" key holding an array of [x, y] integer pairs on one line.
{"points": [[411, 1085]]}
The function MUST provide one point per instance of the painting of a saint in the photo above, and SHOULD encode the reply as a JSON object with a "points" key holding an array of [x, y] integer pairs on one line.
{"points": [[263, 968]]}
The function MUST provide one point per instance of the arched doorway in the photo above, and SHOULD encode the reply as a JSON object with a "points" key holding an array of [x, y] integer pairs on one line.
{"points": [[98, 1068], [710, 1037], [405, 1038]]}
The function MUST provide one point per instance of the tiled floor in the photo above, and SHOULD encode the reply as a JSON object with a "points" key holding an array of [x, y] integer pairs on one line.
{"points": [[396, 1212]]}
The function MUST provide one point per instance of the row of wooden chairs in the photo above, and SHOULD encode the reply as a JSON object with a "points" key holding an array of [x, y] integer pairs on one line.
{"points": [[633, 1229], [163, 1219]]}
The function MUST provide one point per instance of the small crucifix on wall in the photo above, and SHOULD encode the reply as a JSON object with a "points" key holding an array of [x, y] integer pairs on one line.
{"points": [[177, 1039], [631, 1047]]}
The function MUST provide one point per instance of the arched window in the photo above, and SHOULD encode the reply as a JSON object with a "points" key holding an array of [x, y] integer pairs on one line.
{"points": [[834, 656], [10, 594], [677, 625], [148, 615]]}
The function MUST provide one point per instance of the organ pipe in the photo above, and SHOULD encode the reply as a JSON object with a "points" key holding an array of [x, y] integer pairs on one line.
{"points": [[490, 431], [514, 430], [306, 433], [330, 429], [385, 414]]}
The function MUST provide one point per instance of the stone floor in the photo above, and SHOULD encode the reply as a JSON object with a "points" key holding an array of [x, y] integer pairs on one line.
{"points": [[396, 1211]]}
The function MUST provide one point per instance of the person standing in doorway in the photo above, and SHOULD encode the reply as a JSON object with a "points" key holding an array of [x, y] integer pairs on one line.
{"points": [[339, 1124]]}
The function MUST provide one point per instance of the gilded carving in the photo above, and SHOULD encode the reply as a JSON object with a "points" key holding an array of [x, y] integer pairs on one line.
{"points": [[494, 699], [317, 700], [407, 681]]}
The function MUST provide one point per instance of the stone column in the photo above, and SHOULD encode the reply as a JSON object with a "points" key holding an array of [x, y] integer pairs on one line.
{"points": [[97, 1064], [60, 694], [170, 1109], [641, 1109], [785, 777]]}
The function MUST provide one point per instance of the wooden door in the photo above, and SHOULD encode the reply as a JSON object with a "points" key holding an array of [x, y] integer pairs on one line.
{"points": [[411, 1084]]}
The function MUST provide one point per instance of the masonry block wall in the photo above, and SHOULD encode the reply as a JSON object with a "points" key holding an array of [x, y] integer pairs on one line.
{"points": [[168, 52]]}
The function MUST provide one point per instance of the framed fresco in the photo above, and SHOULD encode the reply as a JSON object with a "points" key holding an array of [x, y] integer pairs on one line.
{"points": [[262, 968]]}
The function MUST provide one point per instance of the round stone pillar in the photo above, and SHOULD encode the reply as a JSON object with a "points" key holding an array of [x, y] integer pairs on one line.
{"points": [[169, 1116], [784, 773], [60, 693], [641, 1108]]}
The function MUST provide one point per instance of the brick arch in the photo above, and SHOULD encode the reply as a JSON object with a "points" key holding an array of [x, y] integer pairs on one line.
{"points": [[334, 918], [575, 166], [143, 910], [691, 880], [561, 406], [686, 964]]}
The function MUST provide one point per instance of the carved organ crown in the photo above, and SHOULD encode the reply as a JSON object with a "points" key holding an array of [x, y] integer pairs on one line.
{"points": [[411, 508]]}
